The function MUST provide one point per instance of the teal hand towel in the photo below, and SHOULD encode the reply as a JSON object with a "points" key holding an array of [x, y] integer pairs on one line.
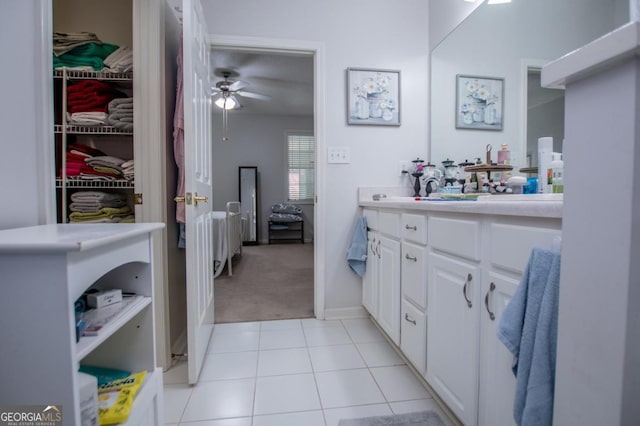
{"points": [[529, 329], [357, 254]]}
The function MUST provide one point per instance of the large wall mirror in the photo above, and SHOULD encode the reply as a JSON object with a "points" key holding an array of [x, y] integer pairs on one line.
{"points": [[512, 41], [248, 196]]}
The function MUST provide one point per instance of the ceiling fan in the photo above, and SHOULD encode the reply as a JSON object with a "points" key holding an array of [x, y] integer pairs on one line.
{"points": [[224, 95]]}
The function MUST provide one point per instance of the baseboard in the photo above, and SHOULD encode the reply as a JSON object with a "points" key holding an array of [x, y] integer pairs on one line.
{"points": [[345, 313], [179, 347]]}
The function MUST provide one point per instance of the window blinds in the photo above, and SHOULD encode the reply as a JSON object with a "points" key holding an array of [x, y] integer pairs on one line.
{"points": [[301, 162]]}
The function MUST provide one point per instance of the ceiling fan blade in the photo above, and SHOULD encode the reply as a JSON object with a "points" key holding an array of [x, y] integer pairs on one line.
{"points": [[254, 95], [237, 85]]}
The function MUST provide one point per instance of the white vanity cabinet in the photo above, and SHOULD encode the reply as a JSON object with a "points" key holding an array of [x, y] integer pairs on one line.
{"points": [[507, 245], [453, 306], [45, 269], [381, 283]]}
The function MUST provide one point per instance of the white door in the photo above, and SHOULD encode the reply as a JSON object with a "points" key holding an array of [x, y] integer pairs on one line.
{"points": [[452, 334], [497, 382], [197, 159], [389, 287]]}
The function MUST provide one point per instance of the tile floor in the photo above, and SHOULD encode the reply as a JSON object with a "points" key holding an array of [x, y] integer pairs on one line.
{"points": [[294, 372]]}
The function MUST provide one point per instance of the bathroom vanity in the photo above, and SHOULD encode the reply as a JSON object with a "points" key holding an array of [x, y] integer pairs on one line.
{"points": [[439, 275]]}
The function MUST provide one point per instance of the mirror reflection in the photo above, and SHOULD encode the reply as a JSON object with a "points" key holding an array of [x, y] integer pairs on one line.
{"points": [[249, 204], [512, 41]]}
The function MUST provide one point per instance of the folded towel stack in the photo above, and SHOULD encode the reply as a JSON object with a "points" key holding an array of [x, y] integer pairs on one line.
{"points": [[99, 207], [121, 113], [91, 96], [80, 50], [121, 60], [128, 170]]}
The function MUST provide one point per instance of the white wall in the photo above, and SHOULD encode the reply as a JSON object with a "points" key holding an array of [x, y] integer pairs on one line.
{"points": [[256, 140], [357, 33], [493, 41]]}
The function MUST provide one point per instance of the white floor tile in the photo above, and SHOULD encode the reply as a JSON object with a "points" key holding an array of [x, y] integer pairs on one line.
{"points": [[240, 421], [235, 327], [177, 373], [220, 399], [324, 336], [282, 339], [379, 354], [284, 361], [333, 415], [306, 418], [398, 383], [348, 387], [175, 400], [234, 342], [313, 323], [282, 394], [420, 405], [363, 331], [229, 365], [281, 324], [337, 357]]}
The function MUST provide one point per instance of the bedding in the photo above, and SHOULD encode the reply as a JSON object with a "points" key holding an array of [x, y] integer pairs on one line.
{"points": [[285, 217], [286, 208]]}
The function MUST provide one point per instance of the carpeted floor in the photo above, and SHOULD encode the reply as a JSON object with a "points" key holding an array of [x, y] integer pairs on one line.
{"points": [[269, 282]]}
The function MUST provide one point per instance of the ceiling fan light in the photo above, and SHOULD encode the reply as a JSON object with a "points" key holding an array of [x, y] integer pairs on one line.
{"points": [[226, 102]]}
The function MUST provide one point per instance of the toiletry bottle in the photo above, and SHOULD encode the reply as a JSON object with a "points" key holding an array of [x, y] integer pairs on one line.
{"points": [[504, 155], [556, 167], [545, 148]]}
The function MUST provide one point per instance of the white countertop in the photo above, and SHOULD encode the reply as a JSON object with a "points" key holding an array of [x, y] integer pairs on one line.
{"points": [[69, 236], [536, 205]]}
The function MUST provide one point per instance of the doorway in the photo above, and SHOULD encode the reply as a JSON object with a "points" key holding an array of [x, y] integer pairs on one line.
{"points": [[254, 136]]}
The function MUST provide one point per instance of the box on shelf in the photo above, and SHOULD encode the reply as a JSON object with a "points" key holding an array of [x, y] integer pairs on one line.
{"points": [[104, 298]]}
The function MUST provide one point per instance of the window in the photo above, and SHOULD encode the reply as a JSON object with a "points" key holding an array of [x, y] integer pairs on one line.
{"points": [[301, 154]]}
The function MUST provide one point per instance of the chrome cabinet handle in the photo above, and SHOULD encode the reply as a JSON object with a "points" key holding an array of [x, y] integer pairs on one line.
{"points": [[373, 247], [407, 318], [492, 287], [378, 249], [406, 256], [464, 290], [414, 227]]}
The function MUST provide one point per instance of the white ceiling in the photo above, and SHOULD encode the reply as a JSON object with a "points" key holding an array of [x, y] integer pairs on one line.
{"points": [[286, 77]]}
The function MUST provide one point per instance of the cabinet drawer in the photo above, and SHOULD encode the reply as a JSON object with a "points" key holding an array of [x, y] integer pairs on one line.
{"points": [[511, 245], [372, 218], [414, 227], [414, 273], [389, 223], [413, 332], [456, 236]]}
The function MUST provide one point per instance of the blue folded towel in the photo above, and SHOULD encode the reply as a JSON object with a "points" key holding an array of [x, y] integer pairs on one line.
{"points": [[529, 329], [357, 254]]}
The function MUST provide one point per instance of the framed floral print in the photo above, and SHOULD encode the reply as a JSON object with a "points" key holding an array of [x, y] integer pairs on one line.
{"points": [[373, 97], [479, 102]]}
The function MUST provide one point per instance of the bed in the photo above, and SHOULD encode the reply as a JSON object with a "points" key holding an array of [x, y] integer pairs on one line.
{"points": [[227, 237]]}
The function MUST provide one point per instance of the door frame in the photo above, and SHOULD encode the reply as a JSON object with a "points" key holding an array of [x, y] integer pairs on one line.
{"points": [[317, 50]]}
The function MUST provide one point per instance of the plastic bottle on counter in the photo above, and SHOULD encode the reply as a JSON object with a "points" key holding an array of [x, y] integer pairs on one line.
{"points": [[557, 171], [545, 149], [504, 155]]}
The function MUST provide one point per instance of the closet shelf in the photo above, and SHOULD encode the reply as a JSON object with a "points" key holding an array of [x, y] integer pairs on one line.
{"points": [[83, 183], [91, 130], [92, 75]]}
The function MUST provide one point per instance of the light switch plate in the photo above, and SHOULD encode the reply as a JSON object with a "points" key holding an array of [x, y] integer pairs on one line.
{"points": [[339, 155]]}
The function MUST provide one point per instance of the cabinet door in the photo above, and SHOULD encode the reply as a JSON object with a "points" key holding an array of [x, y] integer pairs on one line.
{"points": [[413, 335], [370, 279], [452, 331], [497, 382], [389, 287], [414, 273]]}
